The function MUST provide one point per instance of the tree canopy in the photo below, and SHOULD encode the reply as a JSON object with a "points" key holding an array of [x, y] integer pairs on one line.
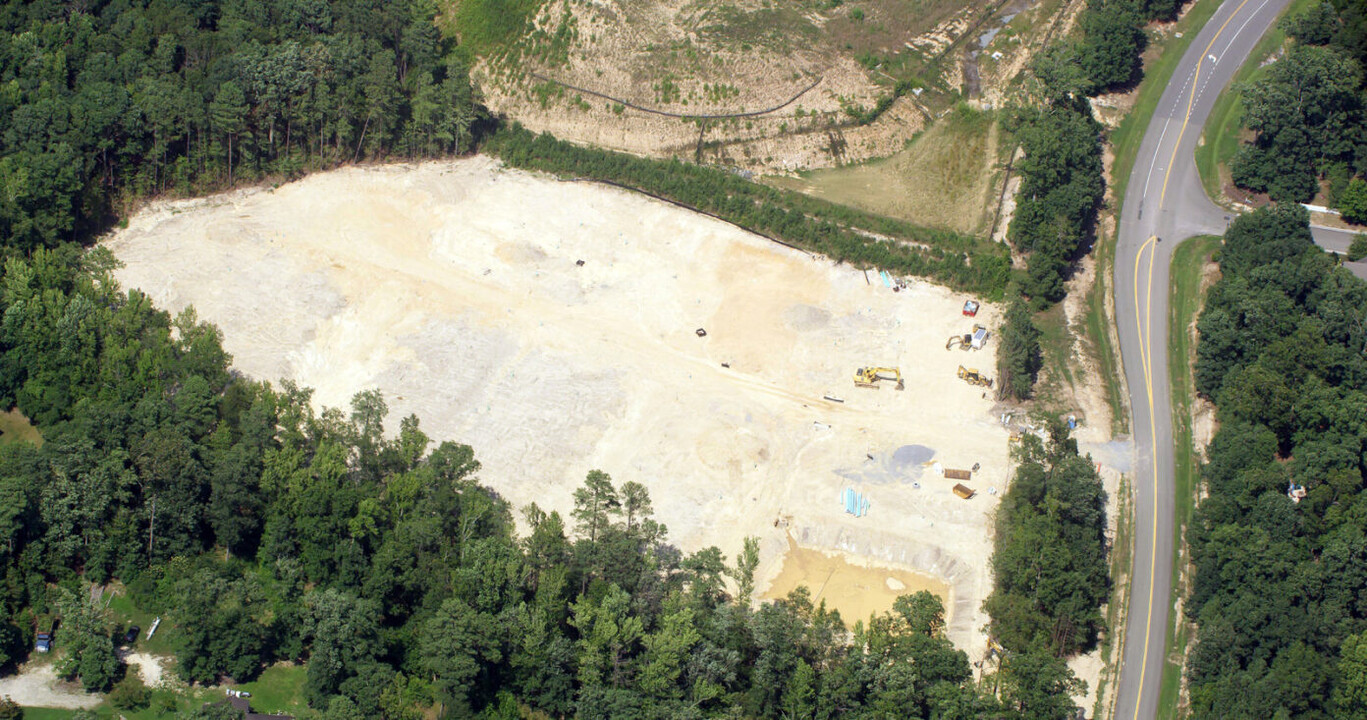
{"points": [[111, 102], [1278, 587]]}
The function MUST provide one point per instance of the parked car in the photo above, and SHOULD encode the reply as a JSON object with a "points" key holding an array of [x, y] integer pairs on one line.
{"points": [[43, 642], [131, 636]]}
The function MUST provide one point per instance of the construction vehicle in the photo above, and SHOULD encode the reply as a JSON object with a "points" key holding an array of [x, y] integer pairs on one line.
{"points": [[972, 340], [973, 377], [869, 376]]}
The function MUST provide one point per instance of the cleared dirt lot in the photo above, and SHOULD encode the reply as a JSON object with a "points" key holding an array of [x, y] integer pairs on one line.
{"points": [[454, 287], [37, 685]]}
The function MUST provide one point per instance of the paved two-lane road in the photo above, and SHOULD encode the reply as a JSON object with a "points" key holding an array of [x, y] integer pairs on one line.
{"points": [[1165, 199]]}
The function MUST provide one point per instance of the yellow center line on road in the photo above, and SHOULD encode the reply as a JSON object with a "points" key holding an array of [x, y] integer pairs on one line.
{"points": [[1195, 80], [1142, 329]]}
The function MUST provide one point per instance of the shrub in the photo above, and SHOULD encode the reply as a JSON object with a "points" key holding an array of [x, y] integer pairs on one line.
{"points": [[1358, 249], [130, 694]]}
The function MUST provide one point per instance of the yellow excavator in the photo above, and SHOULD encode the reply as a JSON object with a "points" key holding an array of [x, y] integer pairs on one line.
{"points": [[973, 377], [869, 376]]}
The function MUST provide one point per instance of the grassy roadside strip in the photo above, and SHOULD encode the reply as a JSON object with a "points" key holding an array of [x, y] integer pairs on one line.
{"points": [[1188, 266], [1220, 136], [1122, 551], [1125, 141], [1098, 331]]}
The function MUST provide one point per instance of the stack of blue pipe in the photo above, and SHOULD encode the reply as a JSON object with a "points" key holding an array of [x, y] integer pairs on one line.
{"points": [[855, 503]]}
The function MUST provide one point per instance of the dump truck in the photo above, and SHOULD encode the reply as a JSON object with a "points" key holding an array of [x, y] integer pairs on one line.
{"points": [[869, 376], [963, 491], [973, 377]]}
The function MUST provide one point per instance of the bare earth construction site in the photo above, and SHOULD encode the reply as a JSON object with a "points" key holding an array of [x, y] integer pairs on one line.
{"points": [[457, 288]]}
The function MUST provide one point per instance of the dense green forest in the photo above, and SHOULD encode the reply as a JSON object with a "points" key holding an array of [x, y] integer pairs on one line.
{"points": [[1307, 113], [1050, 569], [108, 102], [1280, 588], [262, 531], [1060, 194]]}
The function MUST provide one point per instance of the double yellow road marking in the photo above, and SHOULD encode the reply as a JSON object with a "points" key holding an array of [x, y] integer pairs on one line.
{"points": [[1143, 327], [1195, 80]]}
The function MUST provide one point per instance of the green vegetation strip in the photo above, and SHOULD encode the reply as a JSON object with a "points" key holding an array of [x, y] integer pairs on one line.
{"points": [[1122, 550], [1188, 265], [845, 234], [1098, 332], [1220, 136]]}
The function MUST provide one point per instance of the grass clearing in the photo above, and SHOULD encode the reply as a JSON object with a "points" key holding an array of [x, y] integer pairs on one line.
{"points": [[15, 428], [125, 612], [942, 179], [1189, 261], [280, 689], [1221, 137], [1098, 333], [486, 27]]}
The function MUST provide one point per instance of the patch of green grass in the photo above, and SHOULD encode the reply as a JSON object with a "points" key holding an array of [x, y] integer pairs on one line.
{"points": [[941, 179], [280, 689], [1188, 296], [486, 27], [1220, 136], [1057, 345], [125, 612], [14, 428]]}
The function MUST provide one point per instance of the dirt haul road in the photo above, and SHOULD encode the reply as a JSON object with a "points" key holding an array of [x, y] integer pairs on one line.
{"points": [[455, 288]]}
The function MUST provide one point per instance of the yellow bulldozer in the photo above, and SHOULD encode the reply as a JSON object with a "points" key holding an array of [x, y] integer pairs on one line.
{"points": [[973, 377], [869, 376]]}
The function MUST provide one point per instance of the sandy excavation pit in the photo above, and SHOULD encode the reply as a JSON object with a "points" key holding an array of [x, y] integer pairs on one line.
{"points": [[454, 287]]}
